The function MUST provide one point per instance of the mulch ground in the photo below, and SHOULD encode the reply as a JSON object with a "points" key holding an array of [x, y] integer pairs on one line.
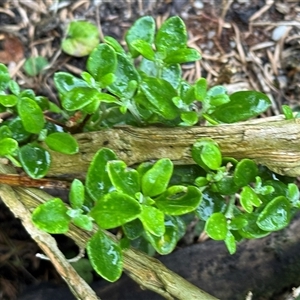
{"points": [[245, 45]]}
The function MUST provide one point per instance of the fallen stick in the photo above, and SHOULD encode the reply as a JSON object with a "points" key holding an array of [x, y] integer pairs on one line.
{"points": [[272, 142]]}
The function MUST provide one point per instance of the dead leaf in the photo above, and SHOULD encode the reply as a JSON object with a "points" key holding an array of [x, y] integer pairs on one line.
{"points": [[13, 50]]}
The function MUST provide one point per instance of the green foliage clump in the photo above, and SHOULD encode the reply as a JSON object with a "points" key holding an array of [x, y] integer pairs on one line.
{"points": [[153, 203]]}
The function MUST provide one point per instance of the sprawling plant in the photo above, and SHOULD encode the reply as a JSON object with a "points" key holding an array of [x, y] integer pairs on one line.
{"points": [[152, 203]]}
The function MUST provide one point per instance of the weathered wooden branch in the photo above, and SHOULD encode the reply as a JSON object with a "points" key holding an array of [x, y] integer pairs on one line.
{"points": [[272, 142]]}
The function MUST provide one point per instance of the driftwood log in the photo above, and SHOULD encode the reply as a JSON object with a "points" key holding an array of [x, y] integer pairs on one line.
{"points": [[272, 142]]}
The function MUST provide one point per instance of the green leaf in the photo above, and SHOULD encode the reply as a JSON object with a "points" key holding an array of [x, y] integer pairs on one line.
{"points": [[4, 77], [172, 74], [160, 93], [230, 243], [133, 229], [81, 38], [14, 87], [144, 48], [216, 226], [18, 131], [225, 186], [66, 82], [35, 160], [5, 132], [210, 203], [31, 115], [62, 142], [8, 100], [79, 97], [276, 215], [43, 102], [179, 200], [124, 179], [125, 73], [245, 172], [142, 29], [200, 89], [171, 36], [242, 106], [83, 221], [102, 61], [292, 193], [105, 256], [84, 269], [97, 180], [189, 118], [155, 181], [166, 243], [181, 56], [287, 111], [248, 199], [76, 195], [114, 44], [206, 153], [153, 220], [51, 216], [8, 146], [35, 65], [115, 209]]}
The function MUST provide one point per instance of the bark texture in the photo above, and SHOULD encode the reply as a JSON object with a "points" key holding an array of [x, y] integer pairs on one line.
{"points": [[270, 142]]}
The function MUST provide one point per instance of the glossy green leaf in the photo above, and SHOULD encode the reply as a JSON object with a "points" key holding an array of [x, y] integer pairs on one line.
{"points": [[179, 200], [81, 38], [243, 105], [142, 29], [251, 230], [18, 131], [230, 243], [248, 199], [66, 82], [181, 56], [102, 61], [160, 93], [206, 154], [133, 229], [287, 111], [8, 146], [125, 73], [171, 36], [210, 203], [35, 65], [144, 48], [83, 221], [114, 44], [276, 215], [4, 77], [62, 142], [105, 256], [5, 132], [153, 220], [172, 74], [51, 216], [216, 226], [79, 97], [238, 222], [115, 209], [76, 194], [225, 186], [166, 243], [155, 181], [97, 180], [35, 160], [8, 100], [245, 172], [200, 89], [31, 115], [14, 87], [219, 100], [43, 102], [293, 193], [189, 118], [124, 179]]}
